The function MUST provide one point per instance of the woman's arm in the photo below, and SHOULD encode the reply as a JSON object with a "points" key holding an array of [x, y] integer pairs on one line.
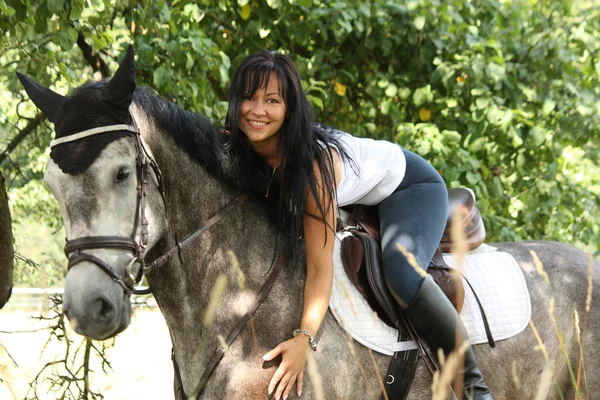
{"points": [[319, 239]]}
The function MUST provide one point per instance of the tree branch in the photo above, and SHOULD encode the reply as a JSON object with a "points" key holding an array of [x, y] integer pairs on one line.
{"points": [[22, 135], [93, 59]]}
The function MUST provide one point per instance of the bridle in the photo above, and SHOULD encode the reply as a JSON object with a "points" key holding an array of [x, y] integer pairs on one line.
{"points": [[75, 248]]}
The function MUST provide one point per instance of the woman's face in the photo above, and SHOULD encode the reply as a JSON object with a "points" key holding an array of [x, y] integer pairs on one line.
{"points": [[262, 114]]}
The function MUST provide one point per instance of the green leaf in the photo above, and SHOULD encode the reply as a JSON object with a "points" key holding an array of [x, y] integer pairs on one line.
{"points": [[263, 33], [422, 95], [548, 107], [419, 22], [67, 36], [161, 77], [165, 13], [189, 62], [451, 136], [482, 102], [7, 11], [305, 3], [385, 106], [56, 6], [225, 59], [536, 136], [77, 7], [274, 3], [391, 90], [346, 25], [371, 127], [495, 116], [472, 178], [315, 100], [242, 3], [404, 93]]}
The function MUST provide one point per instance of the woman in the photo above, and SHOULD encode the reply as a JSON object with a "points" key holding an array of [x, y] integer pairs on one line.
{"points": [[307, 171]]}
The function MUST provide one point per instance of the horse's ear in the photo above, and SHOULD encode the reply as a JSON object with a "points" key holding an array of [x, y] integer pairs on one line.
{"points": [[45, 99], [119, 89]]}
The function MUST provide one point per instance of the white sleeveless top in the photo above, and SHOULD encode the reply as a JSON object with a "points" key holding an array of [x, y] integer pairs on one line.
{"points": [[378, 168]]}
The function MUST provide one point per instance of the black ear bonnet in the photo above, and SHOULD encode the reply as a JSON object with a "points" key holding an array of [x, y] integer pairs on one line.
{"points": [[95, 105], [85, 109]]}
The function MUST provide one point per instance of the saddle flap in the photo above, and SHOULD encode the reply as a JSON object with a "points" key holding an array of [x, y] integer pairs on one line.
{"points": [[352, 258], [377, 283], [362, 260]]}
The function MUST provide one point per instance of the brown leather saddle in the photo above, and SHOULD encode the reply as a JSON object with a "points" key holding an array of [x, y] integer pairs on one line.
{"points": [[362, 248], [361, 256]]}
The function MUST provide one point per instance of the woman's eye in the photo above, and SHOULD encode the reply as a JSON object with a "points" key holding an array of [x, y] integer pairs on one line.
{"points": [[122, 174]]}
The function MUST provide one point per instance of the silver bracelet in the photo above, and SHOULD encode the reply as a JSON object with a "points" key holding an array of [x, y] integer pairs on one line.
{"points": [[311, 339]]}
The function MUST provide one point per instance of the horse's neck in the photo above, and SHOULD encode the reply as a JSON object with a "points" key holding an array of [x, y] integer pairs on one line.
{"points": [[182, 290]]}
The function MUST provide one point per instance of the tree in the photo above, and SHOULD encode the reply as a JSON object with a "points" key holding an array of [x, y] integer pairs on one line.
{"points": [[502, 98]]}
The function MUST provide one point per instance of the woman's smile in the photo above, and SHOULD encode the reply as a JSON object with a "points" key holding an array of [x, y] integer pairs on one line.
{"points": [[257, 124]]}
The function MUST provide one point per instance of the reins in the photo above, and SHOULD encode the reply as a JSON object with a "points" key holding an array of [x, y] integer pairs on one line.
{"points": [[162, 260], [219, 353]]}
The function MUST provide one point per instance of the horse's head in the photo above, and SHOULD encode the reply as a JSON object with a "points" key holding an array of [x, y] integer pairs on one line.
{"points": [[103, 180]]}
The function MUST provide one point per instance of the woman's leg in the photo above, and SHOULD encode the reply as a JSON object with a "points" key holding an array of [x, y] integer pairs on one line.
{"points": [[415, 216]]}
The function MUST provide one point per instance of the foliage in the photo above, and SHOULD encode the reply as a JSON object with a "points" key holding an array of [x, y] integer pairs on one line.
{"points": [[501, 96]]}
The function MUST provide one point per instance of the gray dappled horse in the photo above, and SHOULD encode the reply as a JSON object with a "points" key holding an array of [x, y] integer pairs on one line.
{"points": [[102, 201]]}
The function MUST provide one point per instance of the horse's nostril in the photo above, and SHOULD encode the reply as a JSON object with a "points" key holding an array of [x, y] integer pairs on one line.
{"points": [[107, 308], [102, 307]]}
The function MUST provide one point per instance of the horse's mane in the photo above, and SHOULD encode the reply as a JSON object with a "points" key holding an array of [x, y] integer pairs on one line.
{"points": [[192, 132]]}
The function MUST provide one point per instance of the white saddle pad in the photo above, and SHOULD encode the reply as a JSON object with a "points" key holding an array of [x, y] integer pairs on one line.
{"points": [[495, 276]]}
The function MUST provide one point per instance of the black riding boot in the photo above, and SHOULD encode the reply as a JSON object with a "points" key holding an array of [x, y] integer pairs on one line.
{"points": [[436, 321]]}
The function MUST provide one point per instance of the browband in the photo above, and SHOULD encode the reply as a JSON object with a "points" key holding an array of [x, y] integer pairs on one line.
{"points": [[94, 131]]}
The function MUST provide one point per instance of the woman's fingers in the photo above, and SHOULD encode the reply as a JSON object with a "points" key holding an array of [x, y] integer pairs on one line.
{"points": [[276, 378], [299, 380], [273, 353], [289, 386], [282, 388]]}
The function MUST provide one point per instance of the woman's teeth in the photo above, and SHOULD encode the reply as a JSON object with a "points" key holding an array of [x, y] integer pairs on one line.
{"points": [[257, 123]]}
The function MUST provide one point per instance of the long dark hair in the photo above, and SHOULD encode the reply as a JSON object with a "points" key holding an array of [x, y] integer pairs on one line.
{"points": [[301, 142]]}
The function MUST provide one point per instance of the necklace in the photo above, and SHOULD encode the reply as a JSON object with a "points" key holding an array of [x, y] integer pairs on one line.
{"points": [[270, 181]]}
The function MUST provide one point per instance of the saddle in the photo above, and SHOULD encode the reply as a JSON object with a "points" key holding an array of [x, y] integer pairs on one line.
{"points": [[362, 260], [363, 248]]}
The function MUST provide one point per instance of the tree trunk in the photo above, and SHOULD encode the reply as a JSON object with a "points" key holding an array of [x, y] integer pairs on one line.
{"points": [[6, 247]]}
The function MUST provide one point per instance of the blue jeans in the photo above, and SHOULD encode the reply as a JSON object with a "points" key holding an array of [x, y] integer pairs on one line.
{"points": [[414, 215]]}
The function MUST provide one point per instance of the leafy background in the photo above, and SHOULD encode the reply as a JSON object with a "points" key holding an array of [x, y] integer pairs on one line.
{"points": [[501, 96]]}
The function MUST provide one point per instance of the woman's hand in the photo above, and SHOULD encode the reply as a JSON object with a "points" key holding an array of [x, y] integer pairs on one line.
{"points": [[291, 369]]}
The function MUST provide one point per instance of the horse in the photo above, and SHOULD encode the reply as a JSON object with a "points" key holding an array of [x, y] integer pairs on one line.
{"points": [[191, 178]]}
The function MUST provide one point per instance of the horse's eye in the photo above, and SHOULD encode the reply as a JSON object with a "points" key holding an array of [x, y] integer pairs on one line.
{"points": [[122, 174]]}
